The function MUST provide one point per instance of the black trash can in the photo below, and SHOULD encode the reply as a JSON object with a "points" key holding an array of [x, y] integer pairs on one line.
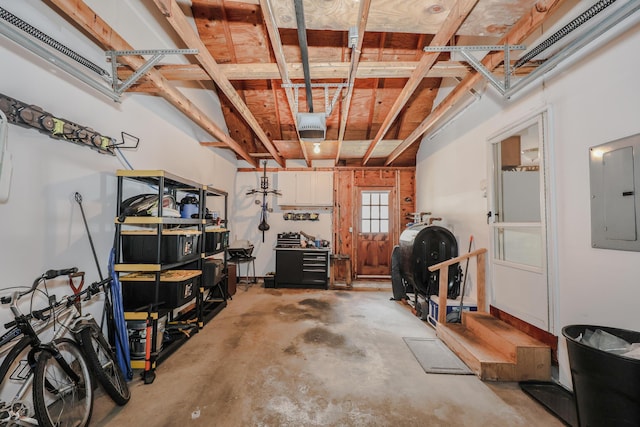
{"points": [[606, 385]]}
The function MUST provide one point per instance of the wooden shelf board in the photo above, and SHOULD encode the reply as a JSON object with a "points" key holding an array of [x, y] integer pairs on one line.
{"points": [[155, 174], [137, 267]]}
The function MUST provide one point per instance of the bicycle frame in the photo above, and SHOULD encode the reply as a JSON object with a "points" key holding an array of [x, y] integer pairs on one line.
{"points": [[64, 318], [16, 408]]}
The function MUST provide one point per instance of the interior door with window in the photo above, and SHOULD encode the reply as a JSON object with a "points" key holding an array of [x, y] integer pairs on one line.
{"points": [[518, 231], [373, 243]]}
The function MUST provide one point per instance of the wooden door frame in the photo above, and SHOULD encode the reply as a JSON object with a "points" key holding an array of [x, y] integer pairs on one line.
{"points": [[346, 181], [393, 226], [542, 118]]}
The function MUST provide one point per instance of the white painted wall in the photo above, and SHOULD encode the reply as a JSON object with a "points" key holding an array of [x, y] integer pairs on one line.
{"points": [[593, 101], [247, 218], [41, 225]]}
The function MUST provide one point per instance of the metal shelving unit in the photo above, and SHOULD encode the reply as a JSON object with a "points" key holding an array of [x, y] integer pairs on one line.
{"points": [[203, 309]]}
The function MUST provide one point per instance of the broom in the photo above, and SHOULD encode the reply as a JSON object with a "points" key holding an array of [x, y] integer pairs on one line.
{"points": [[456, 316]]}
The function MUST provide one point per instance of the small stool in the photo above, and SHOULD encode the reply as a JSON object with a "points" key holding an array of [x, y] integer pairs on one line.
{"points": [[251, 263], [335, 259]]}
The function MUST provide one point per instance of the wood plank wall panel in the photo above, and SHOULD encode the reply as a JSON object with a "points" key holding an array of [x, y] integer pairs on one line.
{"points": [[407, 185], [343, 211]]}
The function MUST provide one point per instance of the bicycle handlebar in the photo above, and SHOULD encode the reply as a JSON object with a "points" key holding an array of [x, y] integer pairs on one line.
{"points": [[68, 301], [52, 274]]}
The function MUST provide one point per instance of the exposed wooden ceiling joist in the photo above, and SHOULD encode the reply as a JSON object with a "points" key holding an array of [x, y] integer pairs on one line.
{"points": [[365, 5], [99, 30], [251, 52], [282, 68], [328, 70], [367, 70], [452, 23], [176, 18], [518, 33]]}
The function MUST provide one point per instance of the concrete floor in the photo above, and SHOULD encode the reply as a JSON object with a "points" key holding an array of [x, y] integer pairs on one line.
{"points": [[281, 357]]}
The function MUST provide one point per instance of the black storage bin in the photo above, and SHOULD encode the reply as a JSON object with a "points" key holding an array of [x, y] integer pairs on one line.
{"points": [[606, 385], [212, 272], [176, 288], [269, 281], [216, 239], [140, 246]]}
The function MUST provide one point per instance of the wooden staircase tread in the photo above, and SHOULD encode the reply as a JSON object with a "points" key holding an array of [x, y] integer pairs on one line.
{"points": [[473, 344], [506, 332]]}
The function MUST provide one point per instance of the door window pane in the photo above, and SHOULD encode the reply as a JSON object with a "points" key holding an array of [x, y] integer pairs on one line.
{"points": [[375, 212], [521, 245]]}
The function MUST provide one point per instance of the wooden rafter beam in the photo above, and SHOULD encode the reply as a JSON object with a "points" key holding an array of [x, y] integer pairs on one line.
{"points": [[318, 70], [281, 63], [518, 33], [452, 23], [363, 13], [176, 18], [99, 30], [214, 144]]}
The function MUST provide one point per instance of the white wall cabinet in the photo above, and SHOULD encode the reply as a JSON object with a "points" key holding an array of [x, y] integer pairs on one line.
{"points": [[305, 188]]}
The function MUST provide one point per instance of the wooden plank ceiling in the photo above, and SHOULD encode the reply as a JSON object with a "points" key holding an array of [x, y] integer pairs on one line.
{"points": [[250, 49]]}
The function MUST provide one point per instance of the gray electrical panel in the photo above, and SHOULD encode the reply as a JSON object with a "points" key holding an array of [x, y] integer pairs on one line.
{"points": [[615, 179]]}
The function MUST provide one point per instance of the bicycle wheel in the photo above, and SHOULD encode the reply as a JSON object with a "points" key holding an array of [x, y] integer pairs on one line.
{"points": [[103, 365], [16, 404], [58, 400]]}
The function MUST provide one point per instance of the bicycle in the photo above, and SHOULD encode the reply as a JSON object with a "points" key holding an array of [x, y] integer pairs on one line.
{"points": [[59, 372]]}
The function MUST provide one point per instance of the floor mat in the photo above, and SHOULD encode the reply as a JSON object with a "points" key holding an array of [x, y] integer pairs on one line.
{"points": [[435, 357], [555, 398]]}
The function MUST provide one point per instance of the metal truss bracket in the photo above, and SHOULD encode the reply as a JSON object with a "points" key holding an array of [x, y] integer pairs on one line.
{"points": [[156, 56], [465, 51], [328, 104]]}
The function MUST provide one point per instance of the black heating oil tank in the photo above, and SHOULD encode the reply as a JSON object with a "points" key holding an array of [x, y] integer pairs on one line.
{"points": [[422, 246]]}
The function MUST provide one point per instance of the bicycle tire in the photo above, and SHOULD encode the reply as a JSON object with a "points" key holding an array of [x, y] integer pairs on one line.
{"points": [[104, 366], [72, 407], [14, 371]]}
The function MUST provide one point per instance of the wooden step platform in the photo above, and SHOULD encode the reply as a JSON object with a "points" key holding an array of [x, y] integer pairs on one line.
{"points": [[495, 350]]}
